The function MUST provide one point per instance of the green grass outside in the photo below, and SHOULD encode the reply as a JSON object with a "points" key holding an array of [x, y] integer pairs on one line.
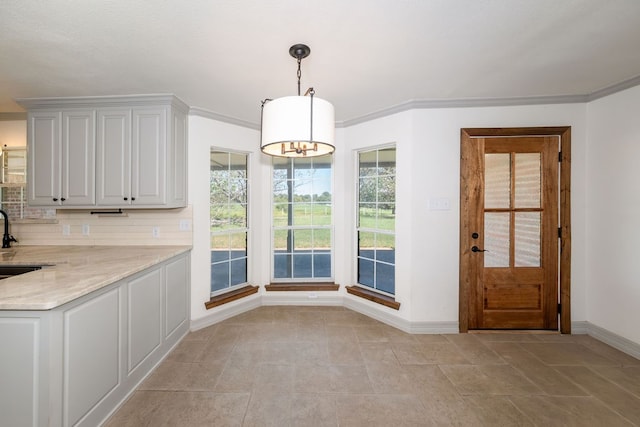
{"points": [[304, 214]]}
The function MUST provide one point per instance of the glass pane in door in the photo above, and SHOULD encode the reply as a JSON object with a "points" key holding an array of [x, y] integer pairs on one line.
{"points": [[497, 181], [496, 239], [528, 180], [527, 239]]}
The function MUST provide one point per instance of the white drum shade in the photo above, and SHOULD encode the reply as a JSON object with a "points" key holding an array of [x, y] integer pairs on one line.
{"points": [[287, 120]]}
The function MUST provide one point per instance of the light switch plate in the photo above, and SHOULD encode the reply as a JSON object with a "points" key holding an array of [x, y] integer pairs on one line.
{"points": [[66, 229], [85, 229], [439, 204], [155, 232], [185, 225]]}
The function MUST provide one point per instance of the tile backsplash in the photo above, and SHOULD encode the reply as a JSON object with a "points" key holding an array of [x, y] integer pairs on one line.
{"points": [[133, 227]]}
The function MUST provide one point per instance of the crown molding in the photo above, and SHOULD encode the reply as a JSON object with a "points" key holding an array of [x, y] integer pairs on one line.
{"points": [[422, 104], [201, 112], [104, 101], [618, 87]]}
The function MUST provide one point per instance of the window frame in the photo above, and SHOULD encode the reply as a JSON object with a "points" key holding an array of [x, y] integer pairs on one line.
{"points": [[330, 227], [358, 229], [246, 229]]}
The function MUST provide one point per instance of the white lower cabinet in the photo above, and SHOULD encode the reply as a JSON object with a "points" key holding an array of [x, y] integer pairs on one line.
{"points": [[72, 366]]}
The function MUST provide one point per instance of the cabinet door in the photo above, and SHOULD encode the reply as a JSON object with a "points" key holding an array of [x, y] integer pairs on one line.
{"points": [[78, 158], [145, 317], [176, 298], [149, 156], [113, 168], [91, 347], [43, 156]]}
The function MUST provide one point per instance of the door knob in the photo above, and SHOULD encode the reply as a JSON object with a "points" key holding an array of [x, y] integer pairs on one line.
{"points": [[477, 249]]}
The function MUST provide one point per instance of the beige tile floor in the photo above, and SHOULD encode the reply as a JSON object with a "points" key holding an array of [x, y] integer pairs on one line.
{"points": [[330, 366]]}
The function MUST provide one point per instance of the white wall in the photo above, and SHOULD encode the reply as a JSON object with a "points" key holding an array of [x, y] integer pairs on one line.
{"points": [[613, 212], [205, 133], [428, 162], [429, 167]]}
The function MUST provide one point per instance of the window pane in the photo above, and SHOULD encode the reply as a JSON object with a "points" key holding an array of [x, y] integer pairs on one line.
{"points": [[386, 216], [496, 240], [527, 239], [238, 245], [321, 214], [385, 277], [367, 215], [368, 163], [528, 180], [385, 248], [238, 215], [238, 271], [302, 264], [367, 189], [376, 212], [280, 214], [302, 200], [365, 272], [228, 191], [366, 244], [322, 265], [387, 161], [280, 239], [302, 213], [220, 242], [387, 188], [497, 181], [322, 239], [302, 240], [219, 276], [282, 268]]}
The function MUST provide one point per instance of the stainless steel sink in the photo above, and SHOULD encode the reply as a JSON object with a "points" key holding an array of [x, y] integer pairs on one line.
{"points": [[14, 270]]}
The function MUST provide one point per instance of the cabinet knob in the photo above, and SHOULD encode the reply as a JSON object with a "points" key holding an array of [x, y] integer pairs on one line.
{"points": [[62, 199], [126, 198], [133, 198], [55, 199]]}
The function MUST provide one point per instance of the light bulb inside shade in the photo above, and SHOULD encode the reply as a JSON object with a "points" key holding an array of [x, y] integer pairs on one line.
{"points": [[288, 120]]}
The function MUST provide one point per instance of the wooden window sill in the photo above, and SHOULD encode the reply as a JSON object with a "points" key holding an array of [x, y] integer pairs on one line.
{"points": [[302, 287], [374, 296], [230, 296]]}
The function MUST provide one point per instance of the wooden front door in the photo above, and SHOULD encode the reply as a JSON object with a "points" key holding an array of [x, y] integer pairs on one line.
{"points": [[510, 235]]}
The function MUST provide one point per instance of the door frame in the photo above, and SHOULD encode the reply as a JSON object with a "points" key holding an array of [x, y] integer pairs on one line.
{"points": [[467, 270]]}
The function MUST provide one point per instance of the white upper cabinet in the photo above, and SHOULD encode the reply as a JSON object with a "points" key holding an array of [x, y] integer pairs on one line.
{"points": [[107, 152]]}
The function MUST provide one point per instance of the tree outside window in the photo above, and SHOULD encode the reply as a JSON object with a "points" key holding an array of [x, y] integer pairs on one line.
{"points": [[228, 185], [376, 207]]}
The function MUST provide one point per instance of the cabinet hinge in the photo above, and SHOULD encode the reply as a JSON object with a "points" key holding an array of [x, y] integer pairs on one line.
{"points": [[559, 232], [560, 156], [559, 308]]}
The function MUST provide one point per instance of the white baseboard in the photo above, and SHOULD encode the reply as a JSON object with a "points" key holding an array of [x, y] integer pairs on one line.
{"points": [[302, 298], [385, 315], [434, 328], [580, 327], [614, 340]]}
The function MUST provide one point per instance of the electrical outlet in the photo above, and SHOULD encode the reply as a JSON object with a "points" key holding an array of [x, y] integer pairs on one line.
{"points": [[155, 232], [66, 230], [85, 229], [185, 225], [312, 295]]}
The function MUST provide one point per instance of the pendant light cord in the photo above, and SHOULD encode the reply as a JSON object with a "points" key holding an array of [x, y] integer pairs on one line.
{"points": [[299, 74]]}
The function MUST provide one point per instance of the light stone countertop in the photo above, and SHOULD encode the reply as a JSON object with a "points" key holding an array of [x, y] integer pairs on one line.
{"points": [[74, 271]]}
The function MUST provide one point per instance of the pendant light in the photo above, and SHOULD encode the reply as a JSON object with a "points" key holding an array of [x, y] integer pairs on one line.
{"points": [[297, 126]]}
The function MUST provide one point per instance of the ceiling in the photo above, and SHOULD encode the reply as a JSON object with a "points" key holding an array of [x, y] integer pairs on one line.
{"points": [[367, 56]]}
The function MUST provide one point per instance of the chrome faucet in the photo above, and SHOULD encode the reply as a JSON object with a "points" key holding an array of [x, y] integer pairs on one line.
{"points": [[6, 237]]}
